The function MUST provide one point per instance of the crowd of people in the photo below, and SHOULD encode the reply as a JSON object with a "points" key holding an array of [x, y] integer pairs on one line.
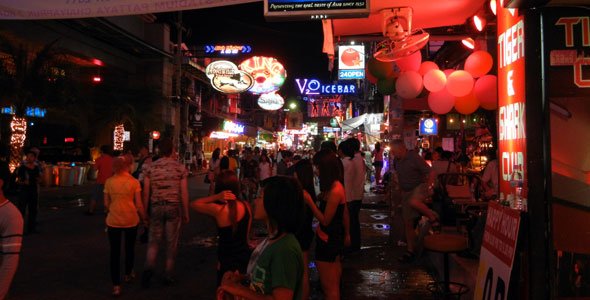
{"points": [[284, 191]]}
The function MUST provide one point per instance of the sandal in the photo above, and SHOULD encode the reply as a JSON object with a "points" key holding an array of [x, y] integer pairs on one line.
{"points": [[408, 257]]}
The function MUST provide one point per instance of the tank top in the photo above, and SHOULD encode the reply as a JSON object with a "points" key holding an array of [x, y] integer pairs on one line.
{"points": [[232, 244], [335, 229]]}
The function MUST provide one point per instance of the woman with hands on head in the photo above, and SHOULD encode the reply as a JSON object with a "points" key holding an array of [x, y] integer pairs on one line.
{"points": [[275, 270], [233, 218]]}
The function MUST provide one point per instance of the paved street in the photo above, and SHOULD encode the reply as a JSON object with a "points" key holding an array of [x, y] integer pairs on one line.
{"points": [[69, 258]]}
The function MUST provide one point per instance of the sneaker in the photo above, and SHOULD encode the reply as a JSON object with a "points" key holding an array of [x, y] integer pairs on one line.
{"points": [[146, 278]]}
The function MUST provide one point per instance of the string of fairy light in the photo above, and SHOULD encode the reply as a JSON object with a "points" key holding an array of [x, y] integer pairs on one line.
{"points": [[18, 127]]}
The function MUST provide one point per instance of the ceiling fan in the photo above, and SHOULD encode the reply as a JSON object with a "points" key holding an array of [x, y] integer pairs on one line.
{"points": [[402, 41]]}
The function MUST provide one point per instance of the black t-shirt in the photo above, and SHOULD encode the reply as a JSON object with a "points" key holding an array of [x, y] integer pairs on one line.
{"points": [[249, 168], [28, 178]]}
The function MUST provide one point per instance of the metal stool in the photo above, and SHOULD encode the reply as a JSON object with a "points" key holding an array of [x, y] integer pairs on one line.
{"points": [[446, 243]]}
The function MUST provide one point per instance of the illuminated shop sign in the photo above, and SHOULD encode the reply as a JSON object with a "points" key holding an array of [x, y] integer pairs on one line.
{"points": [[271, 101], [573, 33], [222, 135], [351, 62], [314, 87], [229, 126], [227, 78], [324, 108], [268, 73], [315, 9], [330, 129], [428, 126], [228, 49], [29, 111]]}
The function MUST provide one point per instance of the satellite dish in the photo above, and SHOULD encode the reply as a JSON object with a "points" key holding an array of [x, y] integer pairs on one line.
{"points": [[402, 41]]}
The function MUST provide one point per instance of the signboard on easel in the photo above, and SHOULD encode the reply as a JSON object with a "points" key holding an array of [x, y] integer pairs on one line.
{"points": [[497, 253]]}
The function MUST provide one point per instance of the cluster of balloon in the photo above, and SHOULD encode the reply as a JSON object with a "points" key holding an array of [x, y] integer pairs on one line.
{"points": [[465, 90]]}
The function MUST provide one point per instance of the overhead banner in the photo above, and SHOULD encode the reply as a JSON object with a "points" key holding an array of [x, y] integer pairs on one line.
{"points": [[73, 9], [497, 252]]}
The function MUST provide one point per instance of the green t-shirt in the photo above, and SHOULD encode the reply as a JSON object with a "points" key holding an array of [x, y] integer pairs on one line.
{"points": [[279, 265]]}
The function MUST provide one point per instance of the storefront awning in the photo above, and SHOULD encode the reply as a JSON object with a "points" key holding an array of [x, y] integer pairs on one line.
{"points": [[353, 123]]}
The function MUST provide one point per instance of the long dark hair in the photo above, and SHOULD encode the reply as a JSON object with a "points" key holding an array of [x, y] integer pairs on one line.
{"points": [[283, 203], [227, 180], [304, 171], [224, 163], [346, 149], [216, 153], [330, 168]]}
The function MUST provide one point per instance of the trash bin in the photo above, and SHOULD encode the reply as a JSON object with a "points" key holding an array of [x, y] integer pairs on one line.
{"points": [[79, 173], [66, 176], [92, 172], [47, 176]]}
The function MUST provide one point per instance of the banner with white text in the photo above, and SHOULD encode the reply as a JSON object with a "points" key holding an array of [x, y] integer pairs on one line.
{"points": [[70, 9]]}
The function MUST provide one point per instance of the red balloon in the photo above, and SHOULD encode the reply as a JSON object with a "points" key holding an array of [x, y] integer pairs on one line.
{"points": [[435, 80], [441, 102], [467, 104], [427, 66], [411, 62], [448, 72], [409, 84], [486, 91], [460, 83], [479, 63]]}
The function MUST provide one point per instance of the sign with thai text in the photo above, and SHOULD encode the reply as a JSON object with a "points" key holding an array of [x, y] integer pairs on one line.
{"points": [[227, 49], [227, 78], [351, 62], [511, 101], [314, 87], [497, 252]]}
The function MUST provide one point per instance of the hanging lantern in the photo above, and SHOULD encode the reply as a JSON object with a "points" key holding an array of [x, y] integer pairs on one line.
{"points": [[118, 137]]}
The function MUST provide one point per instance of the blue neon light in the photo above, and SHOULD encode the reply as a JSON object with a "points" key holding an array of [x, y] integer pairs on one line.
{"points": [[428, 127], [314, 87]]}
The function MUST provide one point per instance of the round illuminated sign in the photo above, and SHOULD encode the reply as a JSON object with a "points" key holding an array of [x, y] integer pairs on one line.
{"points": [[227, 78], [428, 123], [268, 73], [271, 101]]}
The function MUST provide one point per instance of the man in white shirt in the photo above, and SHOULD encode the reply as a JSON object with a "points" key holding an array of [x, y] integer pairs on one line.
{"points": [[354, 187]]}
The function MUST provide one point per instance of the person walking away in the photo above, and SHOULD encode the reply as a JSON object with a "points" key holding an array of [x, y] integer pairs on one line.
{"points": [[144, 158], [249, 175], [28, 176], [122, 202], [11, 235], [264, 167], [104, 165], [166, 181], [377, 155], [275, 269], [415, 181], [233, 218], [285, 163], [332, 232], [213, 169], [303, 172], [354, 185]]}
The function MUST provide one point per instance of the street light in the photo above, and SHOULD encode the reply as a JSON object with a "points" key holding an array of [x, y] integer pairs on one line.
{"points": [[293, 105]]}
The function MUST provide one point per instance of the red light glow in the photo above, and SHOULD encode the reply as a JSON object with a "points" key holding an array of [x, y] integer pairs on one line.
{"points": [[479, 22], [97, 62], [155, 135], [69, 140], [96, 79], [469, 43]]}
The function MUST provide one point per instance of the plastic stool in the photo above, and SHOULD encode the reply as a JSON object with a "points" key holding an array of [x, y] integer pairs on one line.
{"points": [[446, 243]]}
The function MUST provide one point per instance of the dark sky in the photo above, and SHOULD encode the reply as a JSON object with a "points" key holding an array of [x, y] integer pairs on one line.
{"points": [[297, 45]]}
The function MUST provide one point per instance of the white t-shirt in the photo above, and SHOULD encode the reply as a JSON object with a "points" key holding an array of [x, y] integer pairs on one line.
{"points": [[265, 170], [354, 177]]}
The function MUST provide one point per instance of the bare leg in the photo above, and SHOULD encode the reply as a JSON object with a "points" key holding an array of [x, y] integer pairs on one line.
{"points": [[330, 278], [305, 275]]}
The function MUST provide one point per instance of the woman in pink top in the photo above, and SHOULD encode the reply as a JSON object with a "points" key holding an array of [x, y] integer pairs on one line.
{"points": [[122, 201]]}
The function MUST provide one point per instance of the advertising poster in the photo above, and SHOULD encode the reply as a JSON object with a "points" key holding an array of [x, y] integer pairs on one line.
{"points": [[497, 252], [324, 107], [351, 62], [511, 100]]}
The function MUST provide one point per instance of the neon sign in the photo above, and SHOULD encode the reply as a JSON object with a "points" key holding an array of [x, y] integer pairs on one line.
{"points": [[229, 126], [29, 111], [228, 49], [268, 73], [227, 78], [314, 87], [271, 101], [221, 135]]}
